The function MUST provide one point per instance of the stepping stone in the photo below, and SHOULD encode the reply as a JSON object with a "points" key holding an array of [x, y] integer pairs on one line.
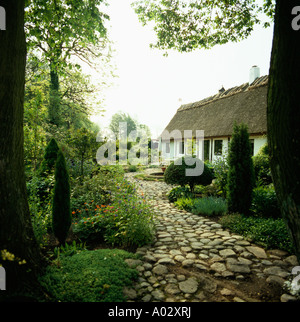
{"points": [[172, 289], [257, 251], [166, 260], [189, 286], [237, 267], [160, 270], [218, 267], [158, 295], [227, 253]]}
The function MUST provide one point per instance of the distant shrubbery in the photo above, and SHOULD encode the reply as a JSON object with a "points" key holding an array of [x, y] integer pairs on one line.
{"points": [[176, 173]]}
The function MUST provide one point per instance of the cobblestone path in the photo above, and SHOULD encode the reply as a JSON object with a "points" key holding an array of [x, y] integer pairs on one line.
{"points": [[195, 259]]}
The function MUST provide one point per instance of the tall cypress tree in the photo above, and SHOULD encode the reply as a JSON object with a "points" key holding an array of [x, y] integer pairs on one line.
{"points": [[61, 210], [50, 157], [240, 181]]}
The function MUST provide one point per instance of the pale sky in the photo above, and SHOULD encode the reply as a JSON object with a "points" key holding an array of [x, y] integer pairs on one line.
{"points": [[151, 87]]}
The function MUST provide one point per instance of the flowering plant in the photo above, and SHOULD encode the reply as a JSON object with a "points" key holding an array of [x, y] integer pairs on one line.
{"points": [[126, 221]]}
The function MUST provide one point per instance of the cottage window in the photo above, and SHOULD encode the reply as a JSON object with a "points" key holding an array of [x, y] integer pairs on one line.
{"points": [[181, 147], [252, 147], [206, 149], [218, 147], [167, 147]]}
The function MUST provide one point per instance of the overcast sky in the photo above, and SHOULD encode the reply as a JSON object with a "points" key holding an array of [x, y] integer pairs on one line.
{"points": [[151, 87]]}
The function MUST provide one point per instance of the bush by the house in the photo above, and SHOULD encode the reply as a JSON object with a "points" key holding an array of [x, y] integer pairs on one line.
{"points": [[185, 203], [179, 192], [221, 172], [210, 206], [240, 180], [262, 170], [176, 172], [264, 202]]}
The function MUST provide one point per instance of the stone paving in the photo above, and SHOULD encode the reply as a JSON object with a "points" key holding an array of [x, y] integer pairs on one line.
{"points": [[194, 259]]}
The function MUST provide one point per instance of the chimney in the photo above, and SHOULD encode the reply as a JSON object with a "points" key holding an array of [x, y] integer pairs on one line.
{"points": [[222, 90], [254, 73]]}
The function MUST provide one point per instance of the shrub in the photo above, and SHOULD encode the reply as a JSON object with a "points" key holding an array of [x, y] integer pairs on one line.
{"points": [[132, 168], [264, 202], [90, 276], [176, 172], [179, 192], [221, 172], [261, 164], [269, 232], [40, 209], [61, 211], [240, 181], [185, 203], [50, 157], [210, 206], [126, 221], [206, 191]]}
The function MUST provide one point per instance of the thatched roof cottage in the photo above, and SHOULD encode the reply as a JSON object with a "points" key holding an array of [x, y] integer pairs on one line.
{"points": [[215, 116]]}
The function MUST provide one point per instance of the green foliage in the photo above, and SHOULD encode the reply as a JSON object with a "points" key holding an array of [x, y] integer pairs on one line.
{"points": [[121, 117], [127, 220], [188, 25], [185, 203], [270, 233], [39, 200], [265, 202], [83, 142], [261, 164], [50, 157], [68, 249], [221, 168], [240, 181], [64, 28], [176, 172], [132, 168], [210, 206], [179, 192], [61, 212], [90, 276]]}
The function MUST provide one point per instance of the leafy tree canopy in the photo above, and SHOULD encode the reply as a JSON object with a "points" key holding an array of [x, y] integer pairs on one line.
{"points": [[65, 28], [188, 25]]}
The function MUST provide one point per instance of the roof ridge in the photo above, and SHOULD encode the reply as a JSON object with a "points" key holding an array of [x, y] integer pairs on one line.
{"points": [[258, 82]]}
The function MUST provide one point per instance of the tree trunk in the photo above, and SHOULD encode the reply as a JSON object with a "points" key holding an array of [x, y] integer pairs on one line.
{"points": [[284, 117], [54, 102], [16, 232]]}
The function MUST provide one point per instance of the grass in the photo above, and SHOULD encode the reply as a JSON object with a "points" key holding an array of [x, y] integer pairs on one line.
{"points": [[90, 276]]}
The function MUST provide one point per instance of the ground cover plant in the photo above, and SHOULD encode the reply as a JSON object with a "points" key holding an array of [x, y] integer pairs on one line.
{"points": [[268, 232], [89, 276]]}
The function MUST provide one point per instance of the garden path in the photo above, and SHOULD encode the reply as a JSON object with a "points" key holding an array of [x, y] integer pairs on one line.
{"points": [[194, 259]]}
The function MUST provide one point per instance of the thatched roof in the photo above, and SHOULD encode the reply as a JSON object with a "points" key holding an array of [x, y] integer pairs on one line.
{"points": [[216, 114]]}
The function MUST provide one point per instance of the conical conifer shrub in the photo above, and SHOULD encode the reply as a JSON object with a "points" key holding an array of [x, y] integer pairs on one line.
{"points": [[61, 211], [240, 180], [50, 157]]}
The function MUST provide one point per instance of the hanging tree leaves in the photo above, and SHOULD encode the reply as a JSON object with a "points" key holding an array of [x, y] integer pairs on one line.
{"points": [[187, 25]]}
